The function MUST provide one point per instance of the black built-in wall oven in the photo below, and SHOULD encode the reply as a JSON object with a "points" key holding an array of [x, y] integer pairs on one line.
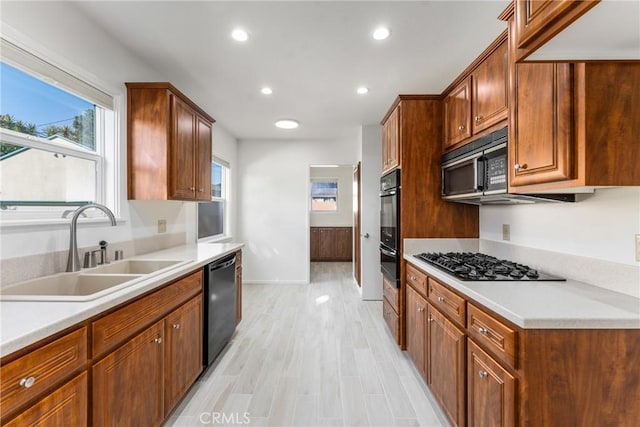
{"points": [[390, 226]]}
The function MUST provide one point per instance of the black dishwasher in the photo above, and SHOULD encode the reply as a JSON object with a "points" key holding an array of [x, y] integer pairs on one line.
{"points": [[219, 306]]}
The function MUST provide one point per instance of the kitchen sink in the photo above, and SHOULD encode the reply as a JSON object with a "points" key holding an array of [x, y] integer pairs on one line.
{"points": [[135, 266], [68, 287]]}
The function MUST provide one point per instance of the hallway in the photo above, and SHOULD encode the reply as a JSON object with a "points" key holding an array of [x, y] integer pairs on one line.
{"points": [[312, 355]]}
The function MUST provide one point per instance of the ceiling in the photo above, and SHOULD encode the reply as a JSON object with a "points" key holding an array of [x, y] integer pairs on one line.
{"points": [[312, 54]]}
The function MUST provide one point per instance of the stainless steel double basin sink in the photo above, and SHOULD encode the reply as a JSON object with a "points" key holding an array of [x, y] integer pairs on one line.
{"points": [[88, 284]]}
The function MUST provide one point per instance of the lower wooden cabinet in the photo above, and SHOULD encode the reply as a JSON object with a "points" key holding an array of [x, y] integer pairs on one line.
{"points": [[64, 407], [491, 390], [128, 383], [331, 243], [446, 358], [416, 310], [238, 287], [183, 351]]}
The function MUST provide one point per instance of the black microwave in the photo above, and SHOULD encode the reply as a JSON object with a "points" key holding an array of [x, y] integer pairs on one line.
{"points": [[476, 169]]}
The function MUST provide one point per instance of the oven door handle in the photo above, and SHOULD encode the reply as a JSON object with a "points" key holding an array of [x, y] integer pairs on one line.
{"points": [[388, 252]]}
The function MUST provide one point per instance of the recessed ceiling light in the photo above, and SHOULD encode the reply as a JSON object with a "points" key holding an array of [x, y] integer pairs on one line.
{"points": [[362, 90], [287, 124], [240, 35], [266, 90], [381, 33]]}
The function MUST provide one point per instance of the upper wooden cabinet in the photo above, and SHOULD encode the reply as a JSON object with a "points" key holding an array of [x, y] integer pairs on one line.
{"points": [[168, 144], [537, 21], [478, 101], [391, 141], [573, 126]]}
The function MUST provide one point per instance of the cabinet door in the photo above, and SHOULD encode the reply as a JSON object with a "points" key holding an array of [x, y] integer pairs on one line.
{"points": [[391, 141], [64, 407], [542, 143], [128, 383], [490, 90], [344, 244], [326, 243], [416, 330], [446, 365], [183, 350], [315, 243], [182, 152], [457, 114], [203, 159], [491, 391]]}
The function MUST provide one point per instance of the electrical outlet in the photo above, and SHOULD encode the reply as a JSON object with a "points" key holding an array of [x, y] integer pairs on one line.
{"points": [[638, 247], [162, 226], [506, 232]]}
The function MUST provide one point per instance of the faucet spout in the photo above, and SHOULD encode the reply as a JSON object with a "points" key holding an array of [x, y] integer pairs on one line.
{"points": [[73, 260]]}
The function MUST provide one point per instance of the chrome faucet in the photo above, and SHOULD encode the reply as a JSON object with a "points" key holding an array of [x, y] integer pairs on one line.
{"points": [[73, 261]]}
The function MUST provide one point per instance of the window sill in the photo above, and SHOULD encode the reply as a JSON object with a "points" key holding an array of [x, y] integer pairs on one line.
{"points": [[54, 224], [216, 239]]}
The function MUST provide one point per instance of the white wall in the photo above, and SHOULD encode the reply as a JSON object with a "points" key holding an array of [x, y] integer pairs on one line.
{"points": [[344, 217], [370, 171], [602, 226], [273, 219], [78, 46]]}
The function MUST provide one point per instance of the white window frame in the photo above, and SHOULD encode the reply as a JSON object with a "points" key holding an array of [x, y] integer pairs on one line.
{"points": [[106, 155], [324, 179], [225, 200]]}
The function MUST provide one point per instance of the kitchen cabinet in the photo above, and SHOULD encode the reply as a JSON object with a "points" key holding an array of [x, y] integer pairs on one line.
{"points": [[537, 21], [417, 330], [478, 101], [420, 135], [331, 243], [446, 360], [391, 142], [168, 144], [391, 306], [573, 126], [32, 375], [183, 352], [64, 407], [491, 399]]}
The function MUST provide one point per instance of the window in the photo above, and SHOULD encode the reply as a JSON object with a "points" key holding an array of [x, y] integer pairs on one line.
{"points": [[324, 196], [54, 138], [213, 217]]}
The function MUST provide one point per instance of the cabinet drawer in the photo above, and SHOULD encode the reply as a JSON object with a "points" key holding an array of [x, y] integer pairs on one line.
{"points": [[43, 367], [493, 335], [447, 302], [114, 328], [390, 293], [417, 279], [392, 319]]}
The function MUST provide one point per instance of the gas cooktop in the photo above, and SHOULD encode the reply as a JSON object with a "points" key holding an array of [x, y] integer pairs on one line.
{"points": [[468, 266]]}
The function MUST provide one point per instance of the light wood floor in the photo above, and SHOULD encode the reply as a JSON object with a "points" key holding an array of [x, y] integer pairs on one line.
{"points": [[310, 355]]}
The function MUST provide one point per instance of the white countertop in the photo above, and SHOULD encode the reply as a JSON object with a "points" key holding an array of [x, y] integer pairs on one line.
{"points": [[25, 322], [547, 305]]}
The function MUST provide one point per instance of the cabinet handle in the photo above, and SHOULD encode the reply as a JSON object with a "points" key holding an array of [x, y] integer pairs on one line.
{"points": [[430, 319], [420, 309], [483, 331], [520, 166], [158, 340], [441, 299], [201, 190], [483, 374], [461, 127], [176, 326], [192, 188], [478, 119], [413, 278], [27, 382]]}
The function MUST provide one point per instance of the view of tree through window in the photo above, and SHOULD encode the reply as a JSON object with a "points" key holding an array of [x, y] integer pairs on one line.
{"points": [[324, 196]]}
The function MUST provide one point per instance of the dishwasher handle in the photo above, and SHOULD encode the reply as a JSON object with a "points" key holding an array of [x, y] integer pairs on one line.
{"points": [[214, 267]]}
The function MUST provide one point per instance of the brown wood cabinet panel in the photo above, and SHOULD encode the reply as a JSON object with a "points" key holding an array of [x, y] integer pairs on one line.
{"points": [[500, 339], [542, 141], [447, 365], [447, 301], [537, 21], [128, 383], [42, 368], [182, 150], [114, 328], [183, 350], [490, 90], [457, 114], [391, 141], [391, 318], [331, 243], [417, 330], [417, 279], [203, 159], [64, 407], [391, 293], [344, 243], [492, 391]]}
